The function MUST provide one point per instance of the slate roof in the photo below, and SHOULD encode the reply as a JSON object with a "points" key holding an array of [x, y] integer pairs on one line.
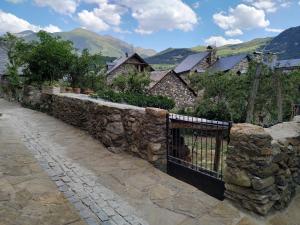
{"points": [[156, 76], [118, 62], [289, 63], [227, 63], [190, 62]]}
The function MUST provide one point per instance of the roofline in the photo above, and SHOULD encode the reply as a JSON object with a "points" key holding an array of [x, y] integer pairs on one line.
{"points": [[134, 54], [177, 75]]}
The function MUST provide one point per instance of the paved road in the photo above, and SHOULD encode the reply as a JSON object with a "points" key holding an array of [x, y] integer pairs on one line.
{"points": [[120, 189], [27, 194]]}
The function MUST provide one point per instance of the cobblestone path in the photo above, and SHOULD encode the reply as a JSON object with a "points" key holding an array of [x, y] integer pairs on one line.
{"points": [[118, 189]]}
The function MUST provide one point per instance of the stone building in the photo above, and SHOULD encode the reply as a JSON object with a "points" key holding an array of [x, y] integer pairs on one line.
{"points": [[125, 64], [238, 64], [197, 62], [209, 62], [287, 66], [170, 84]]}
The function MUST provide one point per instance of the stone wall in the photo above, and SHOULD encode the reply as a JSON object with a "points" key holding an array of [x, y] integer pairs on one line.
{"points": [[171, 86], [241, 67], [119, 127], [263, 166], [131, 64]]}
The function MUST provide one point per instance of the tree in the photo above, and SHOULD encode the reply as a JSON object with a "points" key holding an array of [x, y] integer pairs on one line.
{"points": [[49, 59], [14, 47], [132, 82]]}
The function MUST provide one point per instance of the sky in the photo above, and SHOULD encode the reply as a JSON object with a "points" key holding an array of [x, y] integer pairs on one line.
{"points": [[156, 24]]}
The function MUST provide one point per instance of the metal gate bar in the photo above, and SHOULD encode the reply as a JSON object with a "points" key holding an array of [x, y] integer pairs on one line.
{"points": [[196, 151]]}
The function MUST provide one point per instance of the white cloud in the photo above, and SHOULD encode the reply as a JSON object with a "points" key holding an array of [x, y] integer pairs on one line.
{"points": [[151, 15], [266, 5], [158, 15], [103, 17], [11, 23], [15, 1], [196, 5], [220, 41], [274, 30], [90, 21], [243, 17], [270, 6], [234, 32], [66, 7]]}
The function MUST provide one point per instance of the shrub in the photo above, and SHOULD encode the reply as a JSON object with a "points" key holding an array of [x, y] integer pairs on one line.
{"points": [[140, 100], [133, 82]]}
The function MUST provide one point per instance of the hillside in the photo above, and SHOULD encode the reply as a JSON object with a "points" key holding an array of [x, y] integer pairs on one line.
{"points": [[286, 44], [95, 43], [175, 56]]}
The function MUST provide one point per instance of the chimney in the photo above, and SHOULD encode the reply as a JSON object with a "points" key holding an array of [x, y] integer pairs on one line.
{"points": [[212, 58], [126, 54]]}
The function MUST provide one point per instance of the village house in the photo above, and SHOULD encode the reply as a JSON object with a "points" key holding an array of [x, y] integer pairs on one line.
{"points": [[237, 64], [125, 64], [198, 62], [288, 65], [208, 62], [170, 84]]}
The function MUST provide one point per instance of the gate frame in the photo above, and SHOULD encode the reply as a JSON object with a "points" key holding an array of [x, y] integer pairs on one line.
{"points": [[205, 181]]}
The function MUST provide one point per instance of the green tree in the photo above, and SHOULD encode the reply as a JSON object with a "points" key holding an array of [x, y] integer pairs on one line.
{"points": [[49, 59], [14, 47], [132, 82]]}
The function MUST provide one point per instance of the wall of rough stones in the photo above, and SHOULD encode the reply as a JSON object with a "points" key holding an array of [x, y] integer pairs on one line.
{"points": [[171, 86], [119, 127], [263, 166]]}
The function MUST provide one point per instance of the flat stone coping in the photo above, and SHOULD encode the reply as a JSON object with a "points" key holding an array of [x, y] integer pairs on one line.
{"points": [[101, 101]]}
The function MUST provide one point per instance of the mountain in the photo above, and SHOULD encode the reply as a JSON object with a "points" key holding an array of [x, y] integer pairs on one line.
{"points": [[175, 56], [95, 43], [286, 44]]}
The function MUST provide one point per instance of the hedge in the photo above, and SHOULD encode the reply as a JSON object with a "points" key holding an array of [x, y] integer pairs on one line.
{"points": [[136, 99]]}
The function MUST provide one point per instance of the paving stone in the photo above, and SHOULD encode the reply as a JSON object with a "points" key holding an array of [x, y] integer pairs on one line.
{"points": [[59, 183], [109, 211], [119, 220], [102, 215], [92, 221]]}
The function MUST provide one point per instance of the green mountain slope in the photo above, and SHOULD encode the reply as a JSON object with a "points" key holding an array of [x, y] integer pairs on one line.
{"points": [[95, 43], [175, 56], [286, 44]]}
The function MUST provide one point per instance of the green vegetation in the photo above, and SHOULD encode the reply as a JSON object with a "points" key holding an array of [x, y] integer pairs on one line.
{"points": [[226, 96], [132, 82], [50, 59], [141, 100], [173, 56]]}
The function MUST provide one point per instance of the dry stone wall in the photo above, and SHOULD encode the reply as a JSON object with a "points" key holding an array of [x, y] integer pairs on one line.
{"points": [[263, 166], [119, 127]]}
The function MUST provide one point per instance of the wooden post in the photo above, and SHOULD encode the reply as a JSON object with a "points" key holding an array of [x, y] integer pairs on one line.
{"points": [[253, 94]]}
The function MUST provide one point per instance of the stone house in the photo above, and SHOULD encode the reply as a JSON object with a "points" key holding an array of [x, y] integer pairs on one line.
{"points": [[209, 62], [237, 64], [287, 66], [197, 62], [170, 84], [125, 64]]}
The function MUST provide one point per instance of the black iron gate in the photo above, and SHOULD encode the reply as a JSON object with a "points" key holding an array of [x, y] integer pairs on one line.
{"points": [[196, 152]]}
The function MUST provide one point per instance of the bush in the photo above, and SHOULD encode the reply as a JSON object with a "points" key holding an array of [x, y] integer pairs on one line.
{"points": [[133, 82], [140, 100]]}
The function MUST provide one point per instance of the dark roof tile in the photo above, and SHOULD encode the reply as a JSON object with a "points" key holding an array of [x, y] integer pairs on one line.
{"points": [[190, 62], [226, 63]]}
